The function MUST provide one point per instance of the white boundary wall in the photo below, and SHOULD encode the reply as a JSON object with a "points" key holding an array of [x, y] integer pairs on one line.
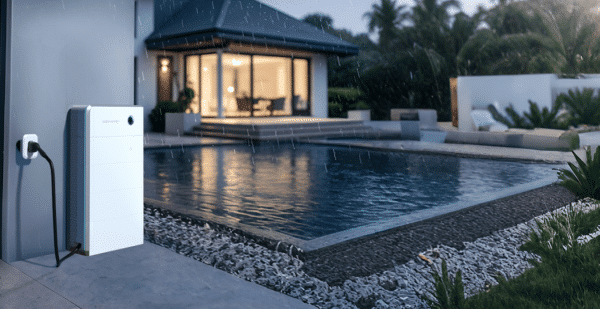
{"points": [[477, 92]]}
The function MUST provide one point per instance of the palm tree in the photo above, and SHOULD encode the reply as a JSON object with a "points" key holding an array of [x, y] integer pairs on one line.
{"points": [[432, 22], [574, 27], [434, 13], [388, 18], [323, 22], [535, 36]]}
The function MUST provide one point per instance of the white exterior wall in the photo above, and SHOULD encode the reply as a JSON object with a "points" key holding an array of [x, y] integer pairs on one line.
{"points": [[146, 60], [318, 86], [477, 92], [60, 54]]}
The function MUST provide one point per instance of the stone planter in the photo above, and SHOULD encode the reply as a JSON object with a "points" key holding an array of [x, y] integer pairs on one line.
{"points": [[362, 115], [178, 123]]}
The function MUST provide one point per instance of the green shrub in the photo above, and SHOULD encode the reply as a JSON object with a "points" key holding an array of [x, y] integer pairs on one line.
{"points": [[584, 106], [185, 98], [448, 295], [583, 181], [545, 118], [532, 119], [157, 116], [573, 139], [341, 100]]}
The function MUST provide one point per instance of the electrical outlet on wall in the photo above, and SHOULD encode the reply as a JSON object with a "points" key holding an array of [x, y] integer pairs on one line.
{"points": [[25, 145]]}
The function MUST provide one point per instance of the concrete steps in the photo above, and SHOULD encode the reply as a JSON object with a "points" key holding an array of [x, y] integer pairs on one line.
{"points": [[285, 131]]}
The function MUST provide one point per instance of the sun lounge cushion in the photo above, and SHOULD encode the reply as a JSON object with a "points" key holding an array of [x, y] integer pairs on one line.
{"points": [[484, 121]]}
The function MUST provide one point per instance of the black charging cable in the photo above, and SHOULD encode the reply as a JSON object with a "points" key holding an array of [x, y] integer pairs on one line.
{"points": [[33, 147]]}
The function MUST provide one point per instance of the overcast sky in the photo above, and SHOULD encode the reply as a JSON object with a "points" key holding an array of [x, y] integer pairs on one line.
{"points": [[348, 14]]}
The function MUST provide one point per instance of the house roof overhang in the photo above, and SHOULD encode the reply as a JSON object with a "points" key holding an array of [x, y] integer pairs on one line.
{"points": [[200, 25]]}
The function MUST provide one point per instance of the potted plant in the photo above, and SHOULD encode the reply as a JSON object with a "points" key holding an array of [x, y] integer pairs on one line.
{"points": [[361, 112], [182, 120]]}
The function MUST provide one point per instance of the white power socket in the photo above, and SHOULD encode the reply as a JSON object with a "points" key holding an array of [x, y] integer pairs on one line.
{"points": [[25, 145]]}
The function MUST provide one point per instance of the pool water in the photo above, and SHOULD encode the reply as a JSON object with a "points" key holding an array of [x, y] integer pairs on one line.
{"points": [[308, 191]]}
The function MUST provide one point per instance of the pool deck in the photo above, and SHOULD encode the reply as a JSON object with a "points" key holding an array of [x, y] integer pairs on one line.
{"points": [[150, 276], [157, 140]]}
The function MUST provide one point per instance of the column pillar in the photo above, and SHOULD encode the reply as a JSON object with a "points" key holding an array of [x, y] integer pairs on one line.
{"points": [[220, 83]]}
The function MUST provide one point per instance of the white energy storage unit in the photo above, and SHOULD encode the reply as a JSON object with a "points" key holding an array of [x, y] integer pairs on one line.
{"points": [[106, 170]]}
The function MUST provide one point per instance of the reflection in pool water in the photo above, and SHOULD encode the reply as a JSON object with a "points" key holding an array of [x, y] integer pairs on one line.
{"points": [[308, 191]]}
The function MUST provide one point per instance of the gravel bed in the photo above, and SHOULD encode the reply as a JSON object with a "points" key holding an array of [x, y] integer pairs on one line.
{"points": [[480, 241], [376, 253]]}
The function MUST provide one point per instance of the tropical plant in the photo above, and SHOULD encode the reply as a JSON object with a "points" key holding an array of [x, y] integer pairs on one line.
{"points": [[157, 116], [573, 26], [432, 19], [535, 118], [536, 36], [343, 99], [448, 294], [567, 276], [545, 118], [487, 53], [515, 121], [413, 78], [583, 180], [584, 106], [322, 22], [387, 17], [185, 98]]}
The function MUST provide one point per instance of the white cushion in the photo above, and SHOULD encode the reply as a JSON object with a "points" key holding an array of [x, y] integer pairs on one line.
{"points": [[484, 120]]}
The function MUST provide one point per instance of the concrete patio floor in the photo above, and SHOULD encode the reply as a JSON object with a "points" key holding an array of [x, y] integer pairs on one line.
{"points": [[145, 276]]}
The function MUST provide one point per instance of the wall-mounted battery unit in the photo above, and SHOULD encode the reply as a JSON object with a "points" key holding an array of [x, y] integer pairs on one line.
{"points": [[106, 170]]}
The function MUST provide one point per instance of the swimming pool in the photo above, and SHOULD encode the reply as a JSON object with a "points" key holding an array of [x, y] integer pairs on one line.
{"points": [[308, 191]]}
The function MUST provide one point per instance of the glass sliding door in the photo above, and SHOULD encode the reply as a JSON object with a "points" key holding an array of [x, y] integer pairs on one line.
{"points": [[208, 85], [272, 84], [252, 85], [192, 80], [237, 94], [301, 100]]}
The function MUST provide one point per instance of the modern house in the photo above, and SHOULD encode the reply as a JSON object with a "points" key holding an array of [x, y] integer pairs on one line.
{"points": [[241, 58]]}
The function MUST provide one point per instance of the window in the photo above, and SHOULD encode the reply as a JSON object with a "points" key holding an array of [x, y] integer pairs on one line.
{"points": [[208, 84], [301, 87], [237, 94], [192, 78], [272, 85], [252, 85]]}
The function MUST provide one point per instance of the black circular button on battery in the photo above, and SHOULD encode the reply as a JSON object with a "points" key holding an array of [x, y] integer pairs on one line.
{"points": [[130, 120]]}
